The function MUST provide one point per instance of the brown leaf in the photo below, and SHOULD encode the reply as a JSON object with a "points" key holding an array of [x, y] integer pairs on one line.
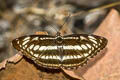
{"points": [[104, 66], [13, 59]]}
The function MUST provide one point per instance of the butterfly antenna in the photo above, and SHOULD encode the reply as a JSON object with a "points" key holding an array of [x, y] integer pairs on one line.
{"points": [[49, 24], [65, 22]]}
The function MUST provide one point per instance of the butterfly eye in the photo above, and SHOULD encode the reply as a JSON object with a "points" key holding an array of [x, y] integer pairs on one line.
{"points": [[60, 51]]}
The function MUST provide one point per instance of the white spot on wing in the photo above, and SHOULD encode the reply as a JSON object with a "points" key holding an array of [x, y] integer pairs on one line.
{"points": [[36, 38], [36, 55], [67, 38], [54, 57], [41, 38], [26, 38], [70, 38], [43, 57], [46, 57], [100, 41], [43, 48], [82, 38], [76, 47], [89, 51], [86, 54], [93, 41], [25, 42], [28, 49], [46, 38], [92, 48], [25, 46], [65, 57], [20, 45], [84, 47], [31, 52], [31, 46], [52, 47], [18, 42], [36, 47], [96, 46], [89, 46], [48, 48], [91, 37], [68, 47], [50, 57], [78, 56], [71, 57], [75, 57], [68, 57]]}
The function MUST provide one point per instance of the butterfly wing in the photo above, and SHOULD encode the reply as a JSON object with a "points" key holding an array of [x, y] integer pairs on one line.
{"points": [[42, 49], [78, 48], [74, 50]]}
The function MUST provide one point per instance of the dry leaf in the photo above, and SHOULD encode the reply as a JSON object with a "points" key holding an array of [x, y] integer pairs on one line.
{"points": [[104, 66], [13, 59]]}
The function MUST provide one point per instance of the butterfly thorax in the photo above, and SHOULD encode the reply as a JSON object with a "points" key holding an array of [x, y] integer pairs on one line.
{"points": [[59, 38]]}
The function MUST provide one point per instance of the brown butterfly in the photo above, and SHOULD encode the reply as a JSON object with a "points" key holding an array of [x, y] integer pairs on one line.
{"points": [[69, 51]]}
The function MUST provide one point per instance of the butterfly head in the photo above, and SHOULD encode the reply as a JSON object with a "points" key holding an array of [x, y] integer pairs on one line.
{"points": [[59, 37]]}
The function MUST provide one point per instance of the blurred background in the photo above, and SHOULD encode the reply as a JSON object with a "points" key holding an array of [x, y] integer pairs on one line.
{"points": [[24, 17]]}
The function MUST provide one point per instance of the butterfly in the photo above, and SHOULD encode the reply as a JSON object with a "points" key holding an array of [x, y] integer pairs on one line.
{"points": [[69, 51]]}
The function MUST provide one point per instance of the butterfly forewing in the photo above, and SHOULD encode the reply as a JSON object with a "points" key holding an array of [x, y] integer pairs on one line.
{"points": [[60, 51]]}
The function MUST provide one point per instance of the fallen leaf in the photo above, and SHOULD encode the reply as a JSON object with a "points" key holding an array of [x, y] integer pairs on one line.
{"points": [[13, 59], [104, 66]]}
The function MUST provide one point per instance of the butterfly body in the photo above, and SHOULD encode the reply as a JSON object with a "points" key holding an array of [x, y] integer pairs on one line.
{"points": [[58, 51]]}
